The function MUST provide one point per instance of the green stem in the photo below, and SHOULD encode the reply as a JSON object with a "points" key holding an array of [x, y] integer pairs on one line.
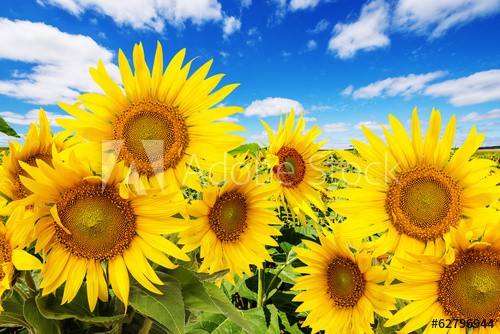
{"points": [[21, 292], [30, 283], [260, 286], [146, 326]]}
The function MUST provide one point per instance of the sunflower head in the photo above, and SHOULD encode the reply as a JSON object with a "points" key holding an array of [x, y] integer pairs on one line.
{"points": [[295, 162], [232, 222], [89, 223], [15, 235], [38, 146], [411, 189], [161, 121], [340, 287]]}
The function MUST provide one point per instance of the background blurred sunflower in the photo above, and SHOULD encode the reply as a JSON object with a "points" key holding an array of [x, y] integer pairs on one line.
{"points": [[232, 223], [90, 226], [160, 121], [341, 288], [467, 288], [411, 188], [38, 145], [295, 162], [15, 235]]}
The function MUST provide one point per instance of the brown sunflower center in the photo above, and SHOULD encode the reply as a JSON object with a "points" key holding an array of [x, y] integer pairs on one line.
{"points": [[228, 216], [5, 255], [291, 169], [22, 191], [101, 223], [346, 283], [470, 287], [423, 203], [155, 137]]}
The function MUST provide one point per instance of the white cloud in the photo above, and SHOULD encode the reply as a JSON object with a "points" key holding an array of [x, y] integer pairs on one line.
{"points": [[246, 3], [272, 106], [476, 88], [374, 126], [336, 127], [60, 62], [231, 24], [320, 27], [436, 17], [311, 45], [477, 117], [310, 119], [348, 90], [367, 33], [31, 117], [145, 14], [254, 36], [404, 86], [4, 139], [303, 4], [320, 107], [229, 119], [260, 137]]}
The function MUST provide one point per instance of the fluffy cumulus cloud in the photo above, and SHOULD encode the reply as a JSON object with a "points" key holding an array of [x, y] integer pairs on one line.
{"points": [[476, 88], [336, 127], [311, 45], [404, 86], [303, 4], [272, 106], [367, 33], [436, 17], [320, 27], [477, 117], [231, 25], [59, 62], [146, 14], [31, 117]]}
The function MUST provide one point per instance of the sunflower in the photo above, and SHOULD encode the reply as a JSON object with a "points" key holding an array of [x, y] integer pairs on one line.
{"points": [[161, 121], [38, 145], [296, 165], [411, 191], [90, 224], [342, 288], [13, 238], [466, 289], [231, 224]]}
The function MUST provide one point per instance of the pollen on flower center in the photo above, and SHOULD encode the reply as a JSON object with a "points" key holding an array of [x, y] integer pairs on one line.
{"points": [[423, 203], [5, 255], [228, 216], [101, 223], [155, 136], [291, 169], [470, 287], [346, 283]]}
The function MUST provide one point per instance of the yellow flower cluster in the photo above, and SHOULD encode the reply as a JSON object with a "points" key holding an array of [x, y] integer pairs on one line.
{"points": [[107, 198]]}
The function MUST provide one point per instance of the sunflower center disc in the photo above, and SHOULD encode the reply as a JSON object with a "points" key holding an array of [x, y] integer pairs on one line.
{"points": [[5, 255], [22, 190], [101, 223], [470, 287], [423, 203], [228, 216], [155, 137], [291, 169], [346, 283]]}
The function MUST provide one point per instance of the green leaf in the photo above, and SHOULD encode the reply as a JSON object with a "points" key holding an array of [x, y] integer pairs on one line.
{"points": [[37, 320], [167, 309], [12, 315], [50, 307], [252, 148], [226, 307], [5, 128]]}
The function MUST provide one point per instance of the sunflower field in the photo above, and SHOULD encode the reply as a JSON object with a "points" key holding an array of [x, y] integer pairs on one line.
{"points": [[148, 213]]}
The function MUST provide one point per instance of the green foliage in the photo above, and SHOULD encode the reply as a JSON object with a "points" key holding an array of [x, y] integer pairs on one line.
{"points": [[5, 128]]}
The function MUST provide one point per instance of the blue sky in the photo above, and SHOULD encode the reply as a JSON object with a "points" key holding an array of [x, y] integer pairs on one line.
{"points": [[344, 63]]}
